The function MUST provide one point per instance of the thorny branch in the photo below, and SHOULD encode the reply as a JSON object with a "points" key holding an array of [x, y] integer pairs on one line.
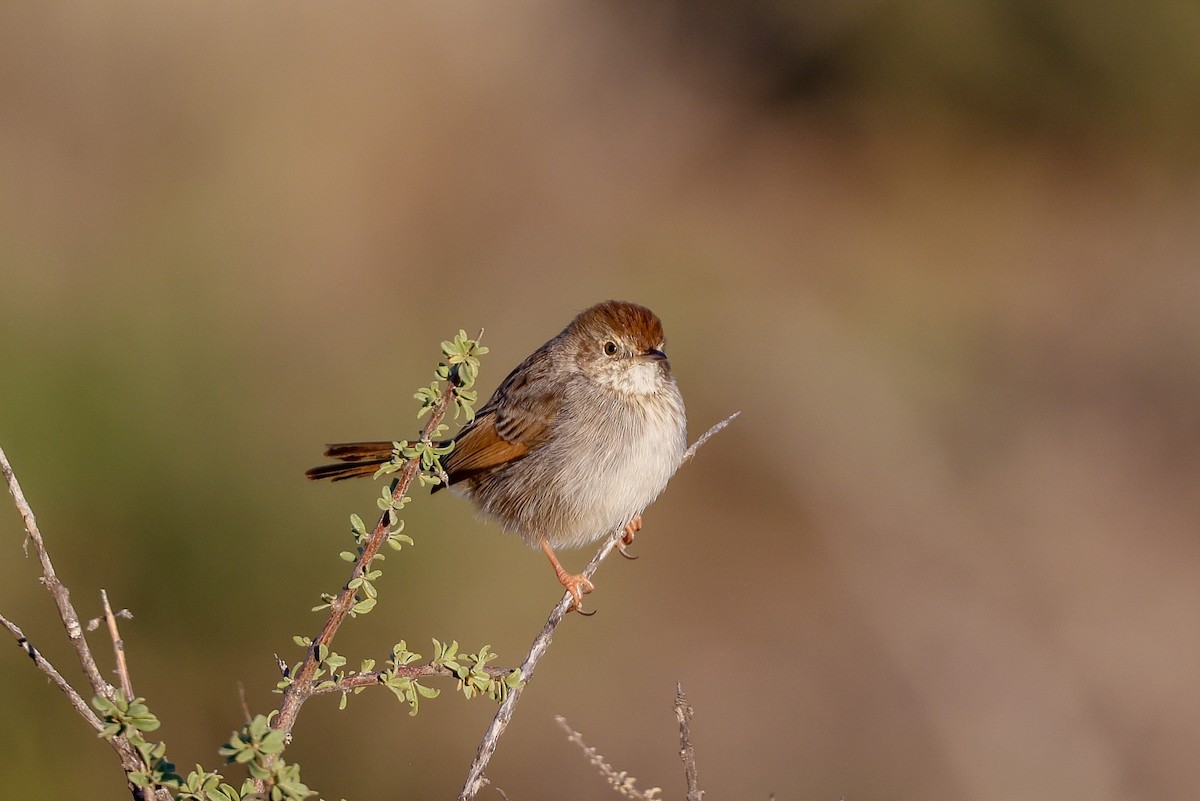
{"points": [[487, 746], [131, 760], [301, 687], [62, 596]]}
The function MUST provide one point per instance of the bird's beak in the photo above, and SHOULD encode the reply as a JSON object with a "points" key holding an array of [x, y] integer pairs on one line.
{"points": [[653, 354]]}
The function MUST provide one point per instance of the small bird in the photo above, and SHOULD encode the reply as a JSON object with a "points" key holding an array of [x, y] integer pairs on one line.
{"points": [[574, 444]]}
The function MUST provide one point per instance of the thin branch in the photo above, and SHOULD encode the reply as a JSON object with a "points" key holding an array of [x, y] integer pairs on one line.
{"points": [[707, 435], [487, 746], [131, 760], [621, 781], [683, 713], [76, 700], [62, 596], [372, 677], [118, 647], [301, 687], [245, 707]]}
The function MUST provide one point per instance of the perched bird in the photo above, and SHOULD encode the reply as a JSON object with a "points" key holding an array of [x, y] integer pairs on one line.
{"points": [[574, 444]]}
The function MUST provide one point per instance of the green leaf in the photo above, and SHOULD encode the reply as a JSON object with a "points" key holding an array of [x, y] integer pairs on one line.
{"points": [[364, 606], [273, 743]]}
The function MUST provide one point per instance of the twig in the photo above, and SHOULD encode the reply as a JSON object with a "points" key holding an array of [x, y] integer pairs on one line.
{"points": [[373, 677], [242, 699], [487, 746], [62, 596], [43, 665], [683, 712], [301, 687], [131, 760], [621, 781], [118, 647], [707, 435]]}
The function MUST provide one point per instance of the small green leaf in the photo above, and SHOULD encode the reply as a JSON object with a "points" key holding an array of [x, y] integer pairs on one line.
{"points": [[364, 606]]}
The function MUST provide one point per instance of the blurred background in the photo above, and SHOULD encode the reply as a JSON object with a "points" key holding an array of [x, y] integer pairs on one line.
{"points": [[942, 256]]}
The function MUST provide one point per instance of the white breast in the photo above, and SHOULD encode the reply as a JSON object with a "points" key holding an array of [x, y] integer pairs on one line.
{"points": [[634, 446]]}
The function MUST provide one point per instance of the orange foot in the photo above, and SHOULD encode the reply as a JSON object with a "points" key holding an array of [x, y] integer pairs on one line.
{"points": [[635, 525], [576, 585]]}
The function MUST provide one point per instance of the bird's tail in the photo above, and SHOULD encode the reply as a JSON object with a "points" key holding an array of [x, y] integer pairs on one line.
{"points": [[355, 459]]}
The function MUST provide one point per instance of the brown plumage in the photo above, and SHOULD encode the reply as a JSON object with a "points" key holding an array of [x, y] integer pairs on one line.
{"points": [[573, 444]]}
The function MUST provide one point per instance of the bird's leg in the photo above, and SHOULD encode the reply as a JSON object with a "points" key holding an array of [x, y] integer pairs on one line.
{"points": [[635, 525], [576, 585]]}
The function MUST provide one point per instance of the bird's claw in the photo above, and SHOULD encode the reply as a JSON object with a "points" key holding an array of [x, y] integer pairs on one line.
{"points": [[578, 586], [631, 529]]}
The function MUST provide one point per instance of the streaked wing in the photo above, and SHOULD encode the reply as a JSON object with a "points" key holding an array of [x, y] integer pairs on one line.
{"points": [[514, 421], [481, 448]]}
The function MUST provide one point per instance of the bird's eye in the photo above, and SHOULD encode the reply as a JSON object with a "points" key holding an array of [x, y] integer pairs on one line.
{"points": [[610, 348]]}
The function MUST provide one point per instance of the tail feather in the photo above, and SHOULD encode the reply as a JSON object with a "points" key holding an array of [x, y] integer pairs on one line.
{"points": [[340, 471], [354, 451], [364, 459]]}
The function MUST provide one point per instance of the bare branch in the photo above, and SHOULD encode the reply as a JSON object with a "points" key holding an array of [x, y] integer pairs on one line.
{"points": [[62, 596], [245, 707], [695, 446], [541, 642], [131, 760], [683, 712], [118, 647], [81, 706], [621, 781], [487, 746]]}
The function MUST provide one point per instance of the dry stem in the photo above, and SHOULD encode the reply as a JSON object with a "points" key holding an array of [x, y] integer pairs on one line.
{"points": [[683, 712], [76, 700], [487, 746], [61, 595], [118, 647], [131, 760], [621, 781]]}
